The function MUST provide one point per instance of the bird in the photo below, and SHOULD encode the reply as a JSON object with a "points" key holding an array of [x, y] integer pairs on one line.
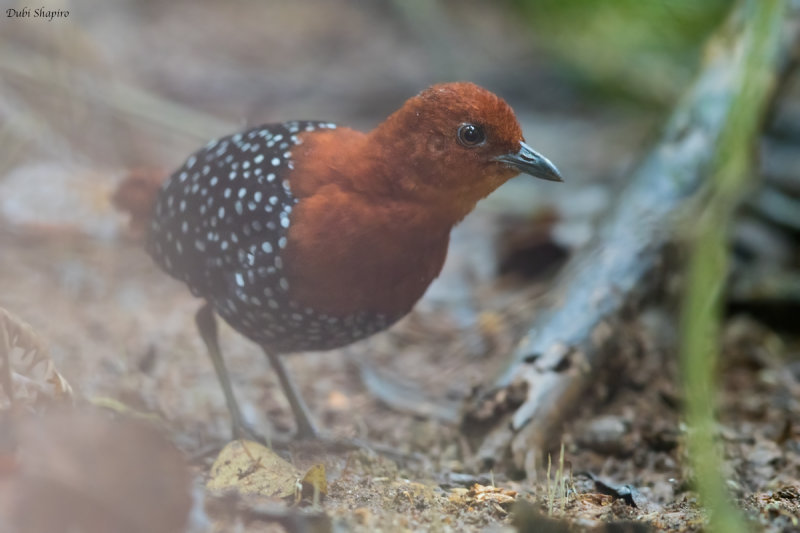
{"points": [[308, 236]]}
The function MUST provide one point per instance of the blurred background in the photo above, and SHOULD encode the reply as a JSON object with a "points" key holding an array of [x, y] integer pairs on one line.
{"points": [[119, 86], [143, 83], [109, 89]]}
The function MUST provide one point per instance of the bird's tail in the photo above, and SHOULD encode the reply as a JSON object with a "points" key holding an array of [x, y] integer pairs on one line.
{"points": [[136, 196]]}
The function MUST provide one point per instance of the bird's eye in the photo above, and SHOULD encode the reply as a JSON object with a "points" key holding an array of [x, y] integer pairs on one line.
{"points": [[471, 135]]}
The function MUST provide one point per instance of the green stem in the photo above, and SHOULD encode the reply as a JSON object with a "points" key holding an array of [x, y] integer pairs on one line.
{"points": [[730, 178]]}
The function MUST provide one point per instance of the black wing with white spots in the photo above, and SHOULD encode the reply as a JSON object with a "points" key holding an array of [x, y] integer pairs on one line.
{"points": [[230, 191], [220, 225]]}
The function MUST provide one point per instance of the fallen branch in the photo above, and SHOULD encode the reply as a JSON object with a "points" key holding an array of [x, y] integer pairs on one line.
{"points": [[559, 357]]}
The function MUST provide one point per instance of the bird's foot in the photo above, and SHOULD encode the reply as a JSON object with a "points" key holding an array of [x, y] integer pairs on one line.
{"points": [[306, 430]]}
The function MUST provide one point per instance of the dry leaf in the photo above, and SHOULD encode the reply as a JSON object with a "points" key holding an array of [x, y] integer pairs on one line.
{"points": [[253, 469], [315, 483], [496, 495], [27, 374]]}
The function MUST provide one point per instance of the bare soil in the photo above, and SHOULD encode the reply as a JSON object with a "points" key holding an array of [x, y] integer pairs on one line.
{"points": [[118, 328]]}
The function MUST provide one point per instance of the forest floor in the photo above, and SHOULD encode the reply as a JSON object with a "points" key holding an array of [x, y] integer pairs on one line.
{"points": [[122, 333], [120, 329]]}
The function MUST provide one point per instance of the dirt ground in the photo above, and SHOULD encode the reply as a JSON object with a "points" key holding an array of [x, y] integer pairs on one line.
{"points": [[144, 89]]}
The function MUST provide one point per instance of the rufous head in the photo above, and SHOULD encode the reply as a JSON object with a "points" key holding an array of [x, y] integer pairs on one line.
{"points": [[457, 142]]}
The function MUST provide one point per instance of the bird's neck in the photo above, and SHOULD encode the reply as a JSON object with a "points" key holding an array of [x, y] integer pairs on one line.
{"points": [[368, 165]]}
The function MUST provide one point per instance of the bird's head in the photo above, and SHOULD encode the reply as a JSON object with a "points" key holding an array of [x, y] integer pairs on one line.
{"points": [[457, 141]]}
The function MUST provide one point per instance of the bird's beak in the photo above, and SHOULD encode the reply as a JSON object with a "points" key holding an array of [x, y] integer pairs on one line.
{"points": [[531, 162]]}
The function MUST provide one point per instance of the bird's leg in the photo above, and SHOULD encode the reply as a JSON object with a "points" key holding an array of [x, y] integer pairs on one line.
{"points": [[305, 427], [207, 325]]}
